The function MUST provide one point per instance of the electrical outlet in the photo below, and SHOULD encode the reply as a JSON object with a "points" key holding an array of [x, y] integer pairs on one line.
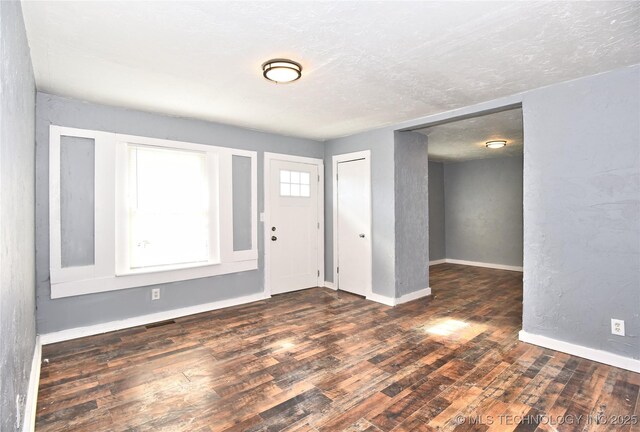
{"points": [[155, 294], [617, 327]]}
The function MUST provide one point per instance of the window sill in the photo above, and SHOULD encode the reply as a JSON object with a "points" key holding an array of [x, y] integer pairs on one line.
{"points": [[167, 268], [133, 280]]}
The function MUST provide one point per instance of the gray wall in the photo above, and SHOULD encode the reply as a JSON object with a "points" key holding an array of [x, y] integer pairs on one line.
{"points": [[17, 294], [77, 201], [581, 206], [90, 309], [483, 210], [412, 212], [241, 183], [436, 212], [581, 195], [381, 144], [582, 211], [387, 186]]}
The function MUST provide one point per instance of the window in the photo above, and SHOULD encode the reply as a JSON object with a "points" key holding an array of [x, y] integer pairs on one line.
{"points": [[294, 183], [168, 221], [152, 211]]}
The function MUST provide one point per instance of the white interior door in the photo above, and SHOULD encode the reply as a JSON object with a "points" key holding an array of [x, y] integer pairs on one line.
{"points": [[293, 226], [354, 226]]}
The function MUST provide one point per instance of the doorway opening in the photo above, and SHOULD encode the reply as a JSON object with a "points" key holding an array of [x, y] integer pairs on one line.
{"points": [[476, 208]]}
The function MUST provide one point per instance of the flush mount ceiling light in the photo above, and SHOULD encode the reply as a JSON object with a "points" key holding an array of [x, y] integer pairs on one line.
{"points": [[496, 144], [281, 71]]}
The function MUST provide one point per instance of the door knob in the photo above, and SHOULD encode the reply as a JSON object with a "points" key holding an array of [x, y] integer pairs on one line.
{"points": [[274, 238], [361, 236]]}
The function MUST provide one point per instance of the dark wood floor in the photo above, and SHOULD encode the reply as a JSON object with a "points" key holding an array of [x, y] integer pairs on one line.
{"points": [[327, 361]]}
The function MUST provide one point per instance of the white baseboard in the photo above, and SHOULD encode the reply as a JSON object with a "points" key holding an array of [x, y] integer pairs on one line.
{"points": [[91, 330], [486, 265], [29, 422], [329, 285], [390, 301], [414, 295], [436, 262], [581, 351], [378, 298]]}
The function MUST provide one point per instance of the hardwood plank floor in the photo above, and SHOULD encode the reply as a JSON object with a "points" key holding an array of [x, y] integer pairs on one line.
{"points": [[320, 360]]}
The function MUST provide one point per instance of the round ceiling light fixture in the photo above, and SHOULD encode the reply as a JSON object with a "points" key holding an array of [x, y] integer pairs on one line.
{"points": [[281, 71], [496, 144]]}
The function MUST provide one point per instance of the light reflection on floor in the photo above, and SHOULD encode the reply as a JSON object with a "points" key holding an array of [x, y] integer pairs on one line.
{"points": [[447, 327]]}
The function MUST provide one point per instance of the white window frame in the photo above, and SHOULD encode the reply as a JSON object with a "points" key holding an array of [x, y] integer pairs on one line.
{"points": [[110, 271], [104, 240], [122, 218]]}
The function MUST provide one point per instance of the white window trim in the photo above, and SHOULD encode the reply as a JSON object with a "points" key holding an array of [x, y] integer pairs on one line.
{"points": [[268, 157], [107, 274], [104, 243], [213, 156]]}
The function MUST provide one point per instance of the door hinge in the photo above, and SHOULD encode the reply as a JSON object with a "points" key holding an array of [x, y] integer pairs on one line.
{"points": [[337, 269], [318, 225], [318, 178], [336, 176], [318, 273]]}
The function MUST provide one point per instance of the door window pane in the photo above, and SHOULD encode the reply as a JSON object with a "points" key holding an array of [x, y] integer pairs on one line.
{"points": [[294, 183], [304, 178], [295, 190]]}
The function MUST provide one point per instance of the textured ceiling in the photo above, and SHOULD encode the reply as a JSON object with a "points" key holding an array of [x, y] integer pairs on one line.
{"points": [[366, 64], [465, 139]]}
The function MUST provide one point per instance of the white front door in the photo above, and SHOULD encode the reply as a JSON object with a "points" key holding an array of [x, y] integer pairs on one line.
{"points": [[353, 225], [293, 227]]}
